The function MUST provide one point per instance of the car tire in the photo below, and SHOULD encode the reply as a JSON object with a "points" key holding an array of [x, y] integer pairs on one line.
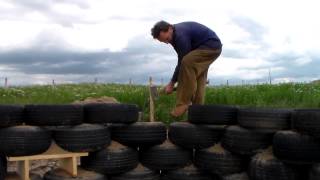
{"points": [[11, 115], [54, 115], [24, 140], [111, 113], [307, 121], [243, 141], [217, 160], [192, 136], [139, 134], [114, 159], [270, 120], [212, 114], [265, 166], [82, 138], [166, 156], [292, 147]]}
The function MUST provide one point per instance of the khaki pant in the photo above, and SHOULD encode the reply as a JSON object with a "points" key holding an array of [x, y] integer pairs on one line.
{"points": [[192, 77]]}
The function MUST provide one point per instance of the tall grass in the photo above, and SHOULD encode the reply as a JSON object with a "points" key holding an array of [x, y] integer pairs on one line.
{"points": [[280, 95]]}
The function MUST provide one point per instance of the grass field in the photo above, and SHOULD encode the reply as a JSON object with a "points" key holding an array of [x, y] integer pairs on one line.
{"points": [[281, 95]]}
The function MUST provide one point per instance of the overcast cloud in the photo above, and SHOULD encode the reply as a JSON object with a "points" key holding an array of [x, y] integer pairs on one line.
{"points": [[79, 40]]}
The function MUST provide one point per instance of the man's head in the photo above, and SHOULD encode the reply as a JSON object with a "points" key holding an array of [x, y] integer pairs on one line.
{"points": [[162, 31]]}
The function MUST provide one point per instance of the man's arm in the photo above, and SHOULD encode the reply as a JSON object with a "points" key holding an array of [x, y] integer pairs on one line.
{"points": [[174, 78], [183, 47]]}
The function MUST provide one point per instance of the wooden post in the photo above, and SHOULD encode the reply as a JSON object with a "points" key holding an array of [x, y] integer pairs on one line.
{"points": [[151, 100], [69, 165], [24, 169]]}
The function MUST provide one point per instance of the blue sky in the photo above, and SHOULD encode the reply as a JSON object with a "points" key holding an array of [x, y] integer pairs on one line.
{"points": [[79, 40]]}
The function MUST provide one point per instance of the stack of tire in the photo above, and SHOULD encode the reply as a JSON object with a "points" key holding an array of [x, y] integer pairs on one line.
{"points": [[300, 146], [279, 144], [266, 144], [203, 134], [29, 130], [258, 127], [121, 159], [17, 139], [92, 135]]}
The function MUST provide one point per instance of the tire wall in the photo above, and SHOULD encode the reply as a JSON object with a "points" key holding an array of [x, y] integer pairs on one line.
{"points": [[215, 142]]}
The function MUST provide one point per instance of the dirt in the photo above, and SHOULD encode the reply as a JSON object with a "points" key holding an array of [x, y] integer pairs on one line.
{"points": [[102, 100], [115, 145], [167, 144], [99, 100], [266, 155], [217, 148], [140, 167], [23, 126], [15, 176], [288, 132], [81, 173], [190, 168]]}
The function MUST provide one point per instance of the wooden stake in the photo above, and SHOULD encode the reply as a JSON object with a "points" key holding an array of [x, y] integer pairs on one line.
{"points": [[151, 100]]}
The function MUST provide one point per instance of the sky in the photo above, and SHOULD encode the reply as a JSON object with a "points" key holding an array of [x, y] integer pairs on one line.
{"points": [[74, 41]]}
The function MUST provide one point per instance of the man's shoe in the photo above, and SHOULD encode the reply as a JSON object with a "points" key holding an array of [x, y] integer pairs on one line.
{"points": [[179, 110]]}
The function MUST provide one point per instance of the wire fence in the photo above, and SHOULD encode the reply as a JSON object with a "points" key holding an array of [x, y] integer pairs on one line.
{"points": [[6, 82]]}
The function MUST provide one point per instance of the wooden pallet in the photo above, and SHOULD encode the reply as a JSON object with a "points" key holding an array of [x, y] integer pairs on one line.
{"points": [[67, 161]]}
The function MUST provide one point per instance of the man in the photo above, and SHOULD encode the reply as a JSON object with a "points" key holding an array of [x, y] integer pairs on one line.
{"points": [[197, 47]]}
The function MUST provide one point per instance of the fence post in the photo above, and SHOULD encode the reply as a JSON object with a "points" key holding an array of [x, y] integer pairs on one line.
{"points": [[53, 84], [6, 82], [270, 81]]}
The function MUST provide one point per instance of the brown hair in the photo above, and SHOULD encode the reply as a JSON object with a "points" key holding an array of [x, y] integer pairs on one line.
{"points": [[158, 27]]}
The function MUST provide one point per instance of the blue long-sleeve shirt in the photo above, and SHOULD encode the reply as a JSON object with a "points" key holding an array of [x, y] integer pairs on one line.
{"points": [[188, 36]]}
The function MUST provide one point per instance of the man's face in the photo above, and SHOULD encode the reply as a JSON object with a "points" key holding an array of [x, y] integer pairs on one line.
{"points": [[165, 36]]}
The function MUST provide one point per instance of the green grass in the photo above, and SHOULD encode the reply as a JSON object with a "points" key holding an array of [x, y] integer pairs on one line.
{"points": [[281, 95]]}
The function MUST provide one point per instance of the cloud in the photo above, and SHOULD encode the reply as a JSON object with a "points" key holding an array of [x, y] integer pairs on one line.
{"points": [[256, 30], [138, 61], [77, 40], [47, 11]]}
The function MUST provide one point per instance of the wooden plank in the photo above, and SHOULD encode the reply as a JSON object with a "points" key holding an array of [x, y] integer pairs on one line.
{"points": [[68, 161], [54, 152]]}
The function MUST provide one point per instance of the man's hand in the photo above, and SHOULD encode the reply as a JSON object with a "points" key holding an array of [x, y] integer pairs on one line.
{"points": [[169, 88]]}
